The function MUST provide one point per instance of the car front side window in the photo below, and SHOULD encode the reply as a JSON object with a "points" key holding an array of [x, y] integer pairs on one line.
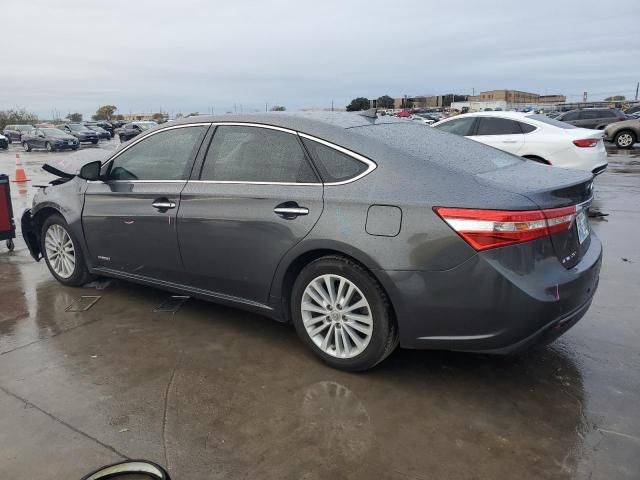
{"points": [[165, 155]]}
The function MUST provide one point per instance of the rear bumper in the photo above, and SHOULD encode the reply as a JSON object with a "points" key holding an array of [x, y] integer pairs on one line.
{"points": [[497, 302]]}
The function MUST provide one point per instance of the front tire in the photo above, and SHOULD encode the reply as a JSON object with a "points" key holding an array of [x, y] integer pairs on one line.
{"points": [[341, 312], [62, 253], [26, 146], [625, 139]]}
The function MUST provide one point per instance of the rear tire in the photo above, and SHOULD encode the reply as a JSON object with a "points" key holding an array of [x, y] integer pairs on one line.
{"points": [[48, 147], [350, 329], [26, 146], [62, 252], [625, 139]]}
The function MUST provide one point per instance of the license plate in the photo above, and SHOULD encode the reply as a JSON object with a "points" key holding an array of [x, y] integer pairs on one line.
{"points": [[582, 223]]}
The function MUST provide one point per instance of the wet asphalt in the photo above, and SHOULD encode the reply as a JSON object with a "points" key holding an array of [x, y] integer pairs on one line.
{"points": [[217, 393]]}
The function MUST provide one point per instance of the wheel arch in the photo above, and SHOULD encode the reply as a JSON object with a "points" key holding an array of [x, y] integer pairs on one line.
{"points": [[290, 267]]}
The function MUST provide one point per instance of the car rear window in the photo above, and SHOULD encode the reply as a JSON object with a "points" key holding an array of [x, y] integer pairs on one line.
{"points": [[551, 121], [430, 144]]}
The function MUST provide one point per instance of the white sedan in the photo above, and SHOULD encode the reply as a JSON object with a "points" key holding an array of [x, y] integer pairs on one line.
{"points": [[533, 136]]}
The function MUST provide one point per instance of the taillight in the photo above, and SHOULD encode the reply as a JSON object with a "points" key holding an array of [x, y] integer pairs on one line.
{"points": [[586, 142], [484, 229]]}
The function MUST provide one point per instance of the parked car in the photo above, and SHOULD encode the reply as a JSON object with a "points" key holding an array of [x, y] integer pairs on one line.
{"points": [[14, 132], [82, 133], [422, 119], [533, 136], [130, 130], [50, 139], [596, 118], [634, 115], [104, 125], [624, 134], [363, 232], [634, 109], [102, 133], [4, 142]]}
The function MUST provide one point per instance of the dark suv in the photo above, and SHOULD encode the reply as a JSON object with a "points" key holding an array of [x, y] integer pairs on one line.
{"points": [[596, 118], [14, 132]]}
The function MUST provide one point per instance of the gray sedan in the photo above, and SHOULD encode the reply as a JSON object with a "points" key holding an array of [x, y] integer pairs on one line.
{"points": [[363, 232]]}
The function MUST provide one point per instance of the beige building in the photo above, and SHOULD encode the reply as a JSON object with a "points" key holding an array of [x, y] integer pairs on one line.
{"points": [[132, 117], [515, 96]]}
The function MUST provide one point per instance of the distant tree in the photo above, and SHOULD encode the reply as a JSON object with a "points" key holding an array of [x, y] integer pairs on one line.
{"points": [[385, 101], [178, 115], [277, 108], [9, 117], [158, 117], [360, 103], [74, 117], [105, 112], [615, 98]]}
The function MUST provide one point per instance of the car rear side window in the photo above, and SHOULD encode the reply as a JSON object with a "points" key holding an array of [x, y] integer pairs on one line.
{"points": [[607, 114], [459, 126], [334, 166], [162, 156], [497, 126], [526, 128], [570, 116], [255, 154]]}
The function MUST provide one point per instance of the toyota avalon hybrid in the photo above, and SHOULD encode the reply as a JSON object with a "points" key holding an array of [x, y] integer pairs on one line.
{"points": [[363, 232]]}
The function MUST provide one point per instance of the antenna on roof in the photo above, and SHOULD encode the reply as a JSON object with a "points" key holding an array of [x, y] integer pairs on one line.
{"points": [[371, 113]]}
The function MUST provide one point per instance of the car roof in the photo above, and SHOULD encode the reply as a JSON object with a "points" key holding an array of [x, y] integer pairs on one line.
{"points": [[493, 113]]}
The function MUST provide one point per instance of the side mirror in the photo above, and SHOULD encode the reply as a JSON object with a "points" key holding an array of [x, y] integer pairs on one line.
{"points": [[133, 469], [91, 171], [41, 135]]}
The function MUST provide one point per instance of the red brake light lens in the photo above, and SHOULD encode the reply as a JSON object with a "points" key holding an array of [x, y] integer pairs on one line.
{"points": [[586, 142], [484, 229]]}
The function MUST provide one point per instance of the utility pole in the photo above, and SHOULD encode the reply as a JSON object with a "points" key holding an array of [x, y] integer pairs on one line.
{"points": [[332, 105], [265, 106], [637, 86]]}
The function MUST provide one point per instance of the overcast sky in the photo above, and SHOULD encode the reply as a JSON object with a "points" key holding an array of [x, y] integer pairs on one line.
{"points": [[197, 55]]}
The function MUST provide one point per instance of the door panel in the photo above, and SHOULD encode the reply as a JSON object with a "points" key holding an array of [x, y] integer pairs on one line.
{"points": [[231, 240], [125, 232]]}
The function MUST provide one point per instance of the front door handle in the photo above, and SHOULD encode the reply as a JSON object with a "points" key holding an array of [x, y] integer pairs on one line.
{"points": [[509, 141], [163, 204], [291, 211]]}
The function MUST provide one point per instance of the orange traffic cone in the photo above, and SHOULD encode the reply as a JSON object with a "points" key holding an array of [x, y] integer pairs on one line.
{"points": [[21, 176]]}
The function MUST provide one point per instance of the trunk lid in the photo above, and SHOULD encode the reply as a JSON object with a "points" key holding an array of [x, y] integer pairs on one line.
{"points": [[552, 187]]}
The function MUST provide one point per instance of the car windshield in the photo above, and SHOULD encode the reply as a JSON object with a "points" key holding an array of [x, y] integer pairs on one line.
{"points": [[550, 121], [24, 127], [78, 128], [53, 132]]}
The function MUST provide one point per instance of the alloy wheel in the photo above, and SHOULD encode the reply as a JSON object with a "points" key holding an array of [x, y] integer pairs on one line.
{"points": [[625, 140], [337, 316], [60, 251]]}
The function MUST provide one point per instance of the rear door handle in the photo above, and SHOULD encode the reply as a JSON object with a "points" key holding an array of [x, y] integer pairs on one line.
{"points": [[291, 211], [509, 141], [163, 204]]}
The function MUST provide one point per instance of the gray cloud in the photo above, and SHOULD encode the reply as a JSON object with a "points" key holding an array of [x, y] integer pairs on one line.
{"points": [[194, 55]]}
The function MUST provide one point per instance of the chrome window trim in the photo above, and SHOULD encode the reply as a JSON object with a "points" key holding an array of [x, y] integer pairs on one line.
{"points": [[371, 165], [239, 182]]}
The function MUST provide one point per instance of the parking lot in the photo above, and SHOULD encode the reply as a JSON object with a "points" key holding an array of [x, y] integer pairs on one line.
{"points": [[213, 392]]}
